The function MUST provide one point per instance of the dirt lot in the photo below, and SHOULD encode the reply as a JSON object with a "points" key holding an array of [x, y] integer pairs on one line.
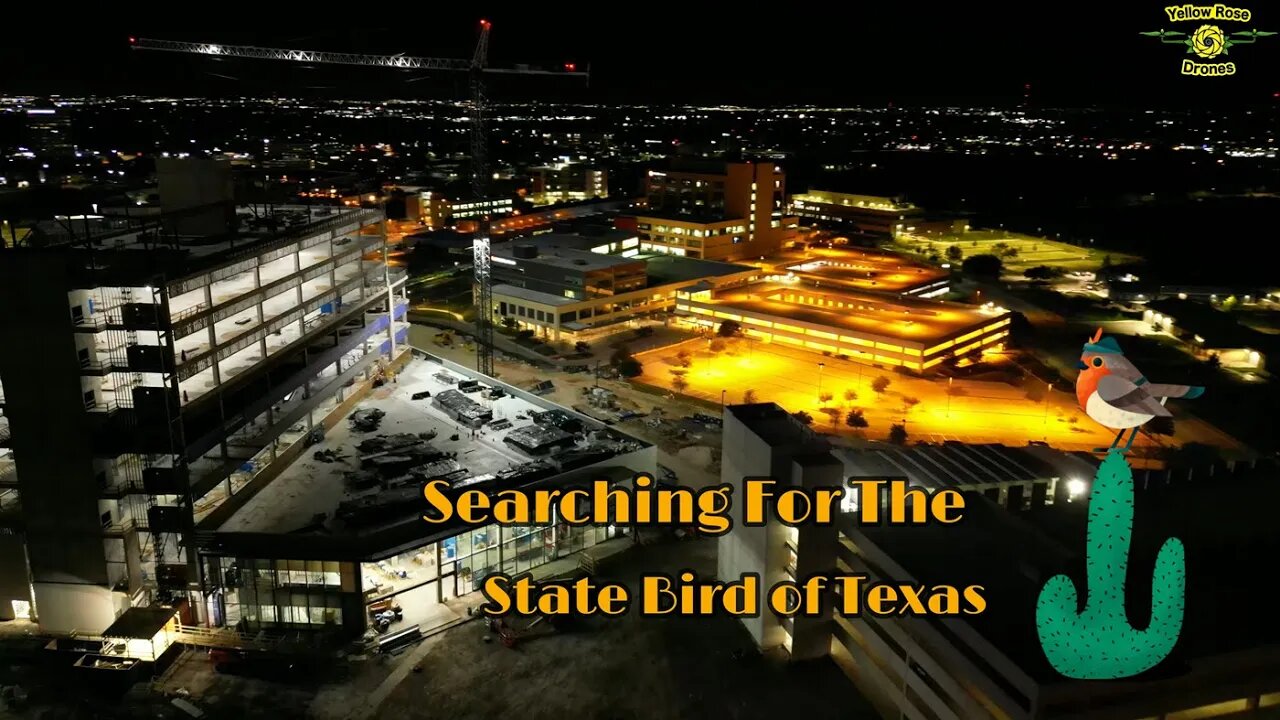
{"points": [[625, 668]]}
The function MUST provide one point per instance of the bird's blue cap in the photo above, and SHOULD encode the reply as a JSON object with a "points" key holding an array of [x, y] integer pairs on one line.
{"points": [[1105, 346]]}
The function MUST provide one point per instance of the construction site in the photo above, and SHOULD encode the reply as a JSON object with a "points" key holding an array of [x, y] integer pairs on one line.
{"points": [[346, 515]]}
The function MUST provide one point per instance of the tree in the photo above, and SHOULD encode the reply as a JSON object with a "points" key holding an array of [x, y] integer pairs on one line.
{"points": [[509, 323], [855, 419], [1106, 261], [955, 254], [898, 434], [1213, 361], [983, 266], [748, 397], [833, 414], [1042, 272], [729, 328], [825, 397], [525, 334], [1009, 253], [684, 358], [850, 395], [716, 345], [630, 367], [880, 384], [1000, 247], [909, 402], [803, 417], [582, 347], [620, 354], [679, 384]]}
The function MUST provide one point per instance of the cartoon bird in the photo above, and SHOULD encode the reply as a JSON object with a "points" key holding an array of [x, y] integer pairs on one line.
{"points": [[1115, 393]]}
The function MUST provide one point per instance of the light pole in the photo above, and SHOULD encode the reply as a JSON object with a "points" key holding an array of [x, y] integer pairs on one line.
{"points": [[950, 382], [722, 402], [820, 367], [1048, 388]]}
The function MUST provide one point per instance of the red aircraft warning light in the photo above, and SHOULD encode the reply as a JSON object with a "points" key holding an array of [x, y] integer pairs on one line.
{"points": [[570, 67]]}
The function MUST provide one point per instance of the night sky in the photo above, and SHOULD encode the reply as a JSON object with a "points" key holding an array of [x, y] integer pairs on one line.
{"points": [[970, 53]]}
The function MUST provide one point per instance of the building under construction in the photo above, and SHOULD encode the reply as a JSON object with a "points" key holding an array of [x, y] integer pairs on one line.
{"points": [[169, 364]]}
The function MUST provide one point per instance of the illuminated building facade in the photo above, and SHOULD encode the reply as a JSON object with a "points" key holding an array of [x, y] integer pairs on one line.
{"points": [[716, 211], [435, 210], [916, 335], [566, 181], [867, 213]]}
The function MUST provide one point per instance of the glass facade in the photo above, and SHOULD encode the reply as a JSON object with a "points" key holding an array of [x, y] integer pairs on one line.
{"points": [[281, 593]]}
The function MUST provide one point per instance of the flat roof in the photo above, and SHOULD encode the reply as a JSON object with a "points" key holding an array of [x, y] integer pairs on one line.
{"points": [[563, 251], [1228, 535], [692, 218], [905, 319], [862, 202], [533, 295], [958, 465], [140, 623], [664, 269], [865, 270], [309, 490], [777, 427]]}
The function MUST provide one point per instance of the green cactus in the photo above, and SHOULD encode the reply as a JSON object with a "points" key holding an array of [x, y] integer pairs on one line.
{"points": [[1099, 643]]}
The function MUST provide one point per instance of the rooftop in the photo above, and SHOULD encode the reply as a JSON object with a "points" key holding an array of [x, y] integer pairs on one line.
{"points": [[533, 295], [865, 202], [142, 242], [775, 426], [958, 465], [905, 319], [864, 269], [314, 496], [664, 269], [686, 217], [1226, 525], [564, 251]]}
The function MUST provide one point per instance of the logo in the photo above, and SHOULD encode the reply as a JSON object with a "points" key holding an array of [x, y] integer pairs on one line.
{"points": [[1212, 40]]}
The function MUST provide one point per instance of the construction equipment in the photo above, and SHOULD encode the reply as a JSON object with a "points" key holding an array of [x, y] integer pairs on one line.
{"points": [[477, 68]]}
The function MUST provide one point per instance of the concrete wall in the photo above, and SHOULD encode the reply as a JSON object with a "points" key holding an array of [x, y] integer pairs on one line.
{"points": [[14, 584], [67, 607], [51, 429], [747, 549]]}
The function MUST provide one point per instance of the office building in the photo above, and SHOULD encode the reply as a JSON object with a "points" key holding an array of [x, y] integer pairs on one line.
{"points": [[574, 287], [869, 214], [565, 181], [1024, 522], [48, 130], [166, 372], [716, 211], [871, 328], [436, 210]]}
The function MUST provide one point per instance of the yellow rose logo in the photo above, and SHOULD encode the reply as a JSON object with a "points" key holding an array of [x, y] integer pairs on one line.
{"points": [[1208, 41]]}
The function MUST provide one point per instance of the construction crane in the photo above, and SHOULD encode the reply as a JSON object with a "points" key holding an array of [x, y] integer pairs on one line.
{"points": [[477, 68]]}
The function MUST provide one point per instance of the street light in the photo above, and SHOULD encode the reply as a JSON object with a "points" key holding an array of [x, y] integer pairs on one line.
{"points": [[820, 367], [950, 382]]}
